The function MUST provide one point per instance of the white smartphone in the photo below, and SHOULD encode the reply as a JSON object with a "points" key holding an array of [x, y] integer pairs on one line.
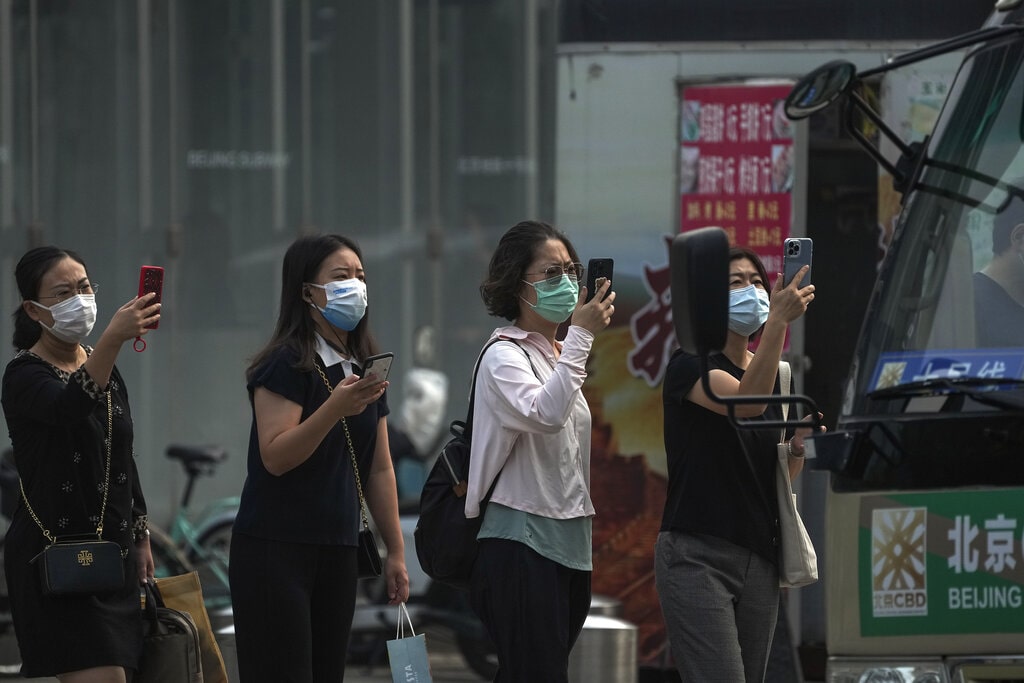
{"points": [[378, 366], [796, 253]]}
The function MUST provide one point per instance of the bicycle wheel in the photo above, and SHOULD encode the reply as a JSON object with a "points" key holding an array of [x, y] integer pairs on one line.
{"points": [[210, 556], [167, 557]]}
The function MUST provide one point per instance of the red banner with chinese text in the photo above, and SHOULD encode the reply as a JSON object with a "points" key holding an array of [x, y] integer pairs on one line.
{"points": [[736, 165]]}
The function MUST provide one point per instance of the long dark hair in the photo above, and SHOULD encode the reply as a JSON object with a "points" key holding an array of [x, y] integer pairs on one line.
{"points": [[295, 329], [738, 252], [29, 273], [514, 254]]}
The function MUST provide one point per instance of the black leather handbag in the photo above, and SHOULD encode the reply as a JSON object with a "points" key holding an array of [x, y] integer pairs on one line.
{"points": [[369, 555], [80, 567]]}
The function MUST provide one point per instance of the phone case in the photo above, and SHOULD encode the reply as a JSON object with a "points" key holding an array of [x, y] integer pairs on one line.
{"points": [[796, 253], [151, 279], [598, 268], [379, 365]]}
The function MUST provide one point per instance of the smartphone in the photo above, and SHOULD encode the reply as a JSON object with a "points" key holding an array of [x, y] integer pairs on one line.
{"points": [[796, 253], [378, 366], [598, 268], [151, 279]]}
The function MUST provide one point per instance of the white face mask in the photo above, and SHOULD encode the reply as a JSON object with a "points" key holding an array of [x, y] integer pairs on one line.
{"points": [[73, 318]]}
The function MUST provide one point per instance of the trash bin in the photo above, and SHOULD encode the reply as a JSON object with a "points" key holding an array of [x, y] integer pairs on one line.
{"points": [[605, 606], [605, 651]]}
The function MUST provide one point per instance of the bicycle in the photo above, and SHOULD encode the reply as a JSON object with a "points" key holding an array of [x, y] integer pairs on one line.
{"points": [[201, 542]]}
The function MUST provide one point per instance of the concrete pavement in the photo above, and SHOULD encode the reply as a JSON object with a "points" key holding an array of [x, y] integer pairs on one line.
{"points": [[446, 663]]}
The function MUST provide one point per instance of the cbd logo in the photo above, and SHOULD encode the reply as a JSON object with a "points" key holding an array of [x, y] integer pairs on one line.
{"points": [[898, 549]]}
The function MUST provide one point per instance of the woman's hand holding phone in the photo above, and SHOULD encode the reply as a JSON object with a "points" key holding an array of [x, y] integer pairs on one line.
{"points": [[354, 393], [131, 320], [595, 315]]}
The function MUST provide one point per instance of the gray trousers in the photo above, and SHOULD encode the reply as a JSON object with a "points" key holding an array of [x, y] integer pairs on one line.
{"points": [[720, 603]]}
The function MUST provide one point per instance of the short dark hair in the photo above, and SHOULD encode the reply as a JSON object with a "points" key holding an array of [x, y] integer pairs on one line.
{"points": [[29, 273], [737, 252], [295, 328], [515, 252]]}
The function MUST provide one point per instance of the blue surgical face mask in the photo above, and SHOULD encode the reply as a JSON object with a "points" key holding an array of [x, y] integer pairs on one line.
{"points": [[748, 309], [556, 298], [346, 303]]}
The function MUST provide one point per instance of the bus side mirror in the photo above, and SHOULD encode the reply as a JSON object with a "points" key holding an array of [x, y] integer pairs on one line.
{"points": [[820, 88], [699, 266]]}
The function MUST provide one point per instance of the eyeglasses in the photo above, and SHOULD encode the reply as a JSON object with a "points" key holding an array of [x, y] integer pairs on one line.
{"points": [[574, 271], [64, 294]]}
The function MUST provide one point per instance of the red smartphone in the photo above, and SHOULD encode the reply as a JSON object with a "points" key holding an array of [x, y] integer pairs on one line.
{"points": [[151, 279]]}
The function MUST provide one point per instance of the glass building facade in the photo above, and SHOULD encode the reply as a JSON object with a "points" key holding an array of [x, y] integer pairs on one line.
{"points": [[205, 135]]}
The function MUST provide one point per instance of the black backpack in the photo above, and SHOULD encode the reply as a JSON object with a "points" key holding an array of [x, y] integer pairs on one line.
{"points": [[445, 538]]}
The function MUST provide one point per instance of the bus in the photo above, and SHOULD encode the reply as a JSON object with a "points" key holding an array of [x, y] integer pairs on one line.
{"points": [[924, 522]]}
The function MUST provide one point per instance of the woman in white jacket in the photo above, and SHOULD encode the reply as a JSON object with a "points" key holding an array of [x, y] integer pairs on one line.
{"points": [[531, 443]]}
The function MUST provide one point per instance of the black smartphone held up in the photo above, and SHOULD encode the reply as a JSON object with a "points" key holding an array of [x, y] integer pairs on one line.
{"points": [[598, 268], [796, 253], [151, 279], [378, 366]]}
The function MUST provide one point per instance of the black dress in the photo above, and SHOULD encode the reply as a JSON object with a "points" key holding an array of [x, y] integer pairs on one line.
{"points": [[57, 423]]}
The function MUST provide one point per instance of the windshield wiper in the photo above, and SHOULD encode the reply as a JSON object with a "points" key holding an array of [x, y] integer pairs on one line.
{"points": [[967, 386]]}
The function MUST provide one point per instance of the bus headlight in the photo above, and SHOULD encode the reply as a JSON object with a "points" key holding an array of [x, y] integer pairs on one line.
{"points": [[848, 670]]}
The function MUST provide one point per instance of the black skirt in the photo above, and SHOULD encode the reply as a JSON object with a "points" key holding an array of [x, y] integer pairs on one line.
{"points": [[68, 633]]}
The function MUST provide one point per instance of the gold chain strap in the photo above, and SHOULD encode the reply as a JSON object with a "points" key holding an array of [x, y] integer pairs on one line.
{"points": [[351, 451], [106, 482]]}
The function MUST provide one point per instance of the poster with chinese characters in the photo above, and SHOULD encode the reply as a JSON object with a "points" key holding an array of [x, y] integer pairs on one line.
{"points": [[736, 165]]}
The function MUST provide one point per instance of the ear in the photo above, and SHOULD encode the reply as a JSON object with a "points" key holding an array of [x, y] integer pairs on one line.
{"points": [[31, 310], [1017, 236]]}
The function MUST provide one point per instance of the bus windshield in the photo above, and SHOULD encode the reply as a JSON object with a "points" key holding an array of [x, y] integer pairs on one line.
{"points": [[947, 315]]}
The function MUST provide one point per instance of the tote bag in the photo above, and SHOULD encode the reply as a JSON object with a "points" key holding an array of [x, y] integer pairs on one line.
{"points": [[798, 563], [407, 653], [184, 593]]}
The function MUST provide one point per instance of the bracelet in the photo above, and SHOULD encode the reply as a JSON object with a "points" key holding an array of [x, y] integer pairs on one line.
{"points": [[789, 450], [140, 528]]}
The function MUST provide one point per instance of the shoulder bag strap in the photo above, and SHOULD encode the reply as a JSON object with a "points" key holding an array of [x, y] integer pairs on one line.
{"points": [[785, 377], [467, 428], [784, 380]]}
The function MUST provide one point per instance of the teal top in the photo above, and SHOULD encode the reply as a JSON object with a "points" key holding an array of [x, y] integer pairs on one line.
{"points": [[568, 542]]}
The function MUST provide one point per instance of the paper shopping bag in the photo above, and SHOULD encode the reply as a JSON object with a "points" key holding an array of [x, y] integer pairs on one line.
{"points": [[184, 593], [407, 653]]}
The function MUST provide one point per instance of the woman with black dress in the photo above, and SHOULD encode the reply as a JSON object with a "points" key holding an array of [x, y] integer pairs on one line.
{"points": [[293, 565], [58, 398]]}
